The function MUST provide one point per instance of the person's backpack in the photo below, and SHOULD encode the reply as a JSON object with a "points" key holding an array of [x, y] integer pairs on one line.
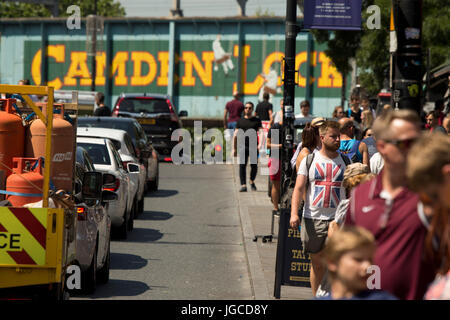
{"points": [[352, 153]]}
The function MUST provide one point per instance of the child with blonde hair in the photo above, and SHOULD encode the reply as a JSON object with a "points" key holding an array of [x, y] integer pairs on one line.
{"points": [[348, 256]]}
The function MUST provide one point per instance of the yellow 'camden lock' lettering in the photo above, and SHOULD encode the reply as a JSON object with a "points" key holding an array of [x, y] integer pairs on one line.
{"points": [[195, 66]]}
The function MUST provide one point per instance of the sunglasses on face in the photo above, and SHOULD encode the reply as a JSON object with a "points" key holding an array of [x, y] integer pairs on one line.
{"points": [[248, 108], [403, 144]]}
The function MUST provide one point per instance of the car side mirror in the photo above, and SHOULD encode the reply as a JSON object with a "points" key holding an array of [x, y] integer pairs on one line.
{"points": [[92, 186], [109, 196], [132, 167], [183, 113]]}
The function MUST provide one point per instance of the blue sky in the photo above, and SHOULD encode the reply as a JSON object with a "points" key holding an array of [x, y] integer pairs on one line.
{"points": [[201, 8]]}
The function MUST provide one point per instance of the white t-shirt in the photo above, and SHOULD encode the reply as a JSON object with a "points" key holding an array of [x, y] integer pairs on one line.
{"points": [[325, 189], [376, 163]]}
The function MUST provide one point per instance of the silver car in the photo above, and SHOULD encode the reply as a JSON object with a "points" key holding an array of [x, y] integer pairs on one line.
{"points": [[124, 145], [107, 160], [93, 230]]}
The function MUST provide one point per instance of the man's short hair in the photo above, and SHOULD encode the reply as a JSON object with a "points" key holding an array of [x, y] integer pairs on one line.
{"points": [[250, 103], [328, 124], [266, 96], [354, 96], [426, 159], [346, 125], [304, 103], [382, 125], [364, 97], [100, 97]]}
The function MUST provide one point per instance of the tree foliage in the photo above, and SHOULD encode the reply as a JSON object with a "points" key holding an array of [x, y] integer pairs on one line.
{"points": [[371, 47], [105, 8]]}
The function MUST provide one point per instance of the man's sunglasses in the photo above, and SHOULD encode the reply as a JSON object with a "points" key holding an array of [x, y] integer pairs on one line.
{"points": [[248, 107], [403, 144]]}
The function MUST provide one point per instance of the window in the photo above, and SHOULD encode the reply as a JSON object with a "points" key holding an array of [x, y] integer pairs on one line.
{"points": [[97, 152], [146, 105], [117, 158], [130, 145]]}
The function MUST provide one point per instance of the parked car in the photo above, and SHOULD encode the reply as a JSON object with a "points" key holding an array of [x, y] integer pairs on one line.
{"points": [[144, 149], [124, 146], [156, 113], [93, 229], [107, 160]]}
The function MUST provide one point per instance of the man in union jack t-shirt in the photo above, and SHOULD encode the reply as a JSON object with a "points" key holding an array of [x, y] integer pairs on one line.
{"points": [[323, 186]]}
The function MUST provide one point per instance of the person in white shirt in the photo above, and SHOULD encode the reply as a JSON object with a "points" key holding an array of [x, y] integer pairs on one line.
{"points": [[322, 184], [305, 107], [376, 163]]}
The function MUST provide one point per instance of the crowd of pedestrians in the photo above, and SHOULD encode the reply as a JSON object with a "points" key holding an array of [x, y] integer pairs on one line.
{"points": [[388, 209], [371, 191]]}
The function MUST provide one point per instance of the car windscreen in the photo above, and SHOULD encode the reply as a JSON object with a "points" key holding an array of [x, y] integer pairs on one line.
{"points": [[94, 123], [145, 105], [98, 152]]}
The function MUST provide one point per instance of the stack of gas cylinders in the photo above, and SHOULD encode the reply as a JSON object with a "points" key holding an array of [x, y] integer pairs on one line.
{"points": [[22, 154]]}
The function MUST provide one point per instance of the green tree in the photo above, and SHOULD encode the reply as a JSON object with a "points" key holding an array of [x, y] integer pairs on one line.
{"points": [[373, 55], [436, 31], [342, 46], [105, 8], [371, 46]]}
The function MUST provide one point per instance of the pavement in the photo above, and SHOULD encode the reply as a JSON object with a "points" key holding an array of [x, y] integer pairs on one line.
{"points": [[255, 209]]}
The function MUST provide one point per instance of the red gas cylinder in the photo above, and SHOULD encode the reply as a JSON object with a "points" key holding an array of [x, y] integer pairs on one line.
{"points": [[12, 135], [25, 181], [61, 151]]}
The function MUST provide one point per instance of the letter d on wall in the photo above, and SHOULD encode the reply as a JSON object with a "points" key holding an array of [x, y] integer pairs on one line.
{"points": [[74, 21]]}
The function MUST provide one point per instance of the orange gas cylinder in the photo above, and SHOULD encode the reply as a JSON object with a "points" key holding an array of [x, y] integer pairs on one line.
{"points": [[12, 135], [25, 184], [61, 151]]}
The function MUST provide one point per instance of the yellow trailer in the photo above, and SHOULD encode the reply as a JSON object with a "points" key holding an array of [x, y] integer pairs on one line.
{"points": [[36, 244]]}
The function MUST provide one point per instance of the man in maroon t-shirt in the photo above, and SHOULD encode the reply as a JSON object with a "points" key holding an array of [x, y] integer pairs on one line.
{"points": [[233, 111], [393, 213]]}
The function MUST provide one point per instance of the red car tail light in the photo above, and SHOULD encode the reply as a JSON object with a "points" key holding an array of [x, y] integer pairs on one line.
{"points": [[173, 115], [113, 188], [81, 214], [115, 112]]}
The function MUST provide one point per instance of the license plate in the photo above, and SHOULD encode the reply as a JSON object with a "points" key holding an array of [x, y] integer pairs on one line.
{"points": [[147, 121]]}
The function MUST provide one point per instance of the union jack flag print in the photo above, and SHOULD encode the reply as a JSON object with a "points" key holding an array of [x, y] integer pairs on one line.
{"points": [[328, 179]]}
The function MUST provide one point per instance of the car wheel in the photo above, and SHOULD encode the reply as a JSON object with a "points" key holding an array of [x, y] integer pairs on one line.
{"points": [[153, 185], [131, 218], [103, 272], [136, 208], [123, 228], [89, 277], [141, 205]]}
